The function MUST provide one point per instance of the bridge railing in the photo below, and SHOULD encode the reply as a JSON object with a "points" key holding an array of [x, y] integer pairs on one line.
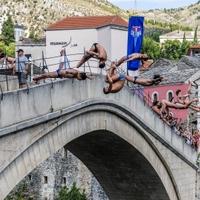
{"points": [[91, 66], [9, 82]]}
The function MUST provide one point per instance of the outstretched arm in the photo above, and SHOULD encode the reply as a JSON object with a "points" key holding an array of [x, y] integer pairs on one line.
{"points": [[178, 106], [134, 56], [184, 96], [130, 59], [121, 61], [144, 82], [137, 56]]}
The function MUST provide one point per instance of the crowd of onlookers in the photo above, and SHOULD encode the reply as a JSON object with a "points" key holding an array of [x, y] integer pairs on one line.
{"points": [[192, 137]]}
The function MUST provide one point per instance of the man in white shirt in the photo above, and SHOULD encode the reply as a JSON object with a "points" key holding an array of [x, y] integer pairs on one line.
{"points": [[21, 67], [63, 62]]}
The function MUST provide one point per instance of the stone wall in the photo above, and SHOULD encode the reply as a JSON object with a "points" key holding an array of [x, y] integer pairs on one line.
{"points": [[61, 169]]}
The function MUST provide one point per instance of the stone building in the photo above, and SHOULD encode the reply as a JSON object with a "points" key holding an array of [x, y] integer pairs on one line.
{"points": [[61, 169]]}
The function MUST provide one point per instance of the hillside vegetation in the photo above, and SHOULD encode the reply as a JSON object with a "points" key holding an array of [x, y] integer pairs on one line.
{"points": [[36, 15], [184, 16]]}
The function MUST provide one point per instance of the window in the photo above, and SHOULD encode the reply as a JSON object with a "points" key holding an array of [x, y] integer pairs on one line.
{"points": [[45, 179], [154, 96], [64, 180], [170, 95]]}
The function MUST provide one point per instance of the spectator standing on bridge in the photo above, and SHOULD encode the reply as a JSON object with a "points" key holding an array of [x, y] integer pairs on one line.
{"points": [[21, 67], [63, 63], [96, 51]]}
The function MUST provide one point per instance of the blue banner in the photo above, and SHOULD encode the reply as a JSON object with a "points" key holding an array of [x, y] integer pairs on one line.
{"points": [[135, 39]]}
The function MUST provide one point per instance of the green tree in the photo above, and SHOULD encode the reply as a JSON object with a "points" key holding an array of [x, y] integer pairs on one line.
{"points": [[185, 45], [8, 32], [22, 193], [174, 49], [63, 193], [151, 48], [171, 49], [2, 46], [73, 194], [9, 50]]}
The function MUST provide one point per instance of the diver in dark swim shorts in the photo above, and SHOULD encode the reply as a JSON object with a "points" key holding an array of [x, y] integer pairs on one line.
{"points": [[97, 51]]}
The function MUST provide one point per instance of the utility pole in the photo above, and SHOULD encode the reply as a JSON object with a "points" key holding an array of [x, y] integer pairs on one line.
{"points": [[135, 5]]}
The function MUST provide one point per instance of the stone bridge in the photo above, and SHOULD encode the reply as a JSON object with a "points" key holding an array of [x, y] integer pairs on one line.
{"points": [[130, 151]]}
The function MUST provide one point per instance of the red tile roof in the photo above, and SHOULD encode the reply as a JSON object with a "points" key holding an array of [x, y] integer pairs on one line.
{"points": [[196, 46], [90, 22]]}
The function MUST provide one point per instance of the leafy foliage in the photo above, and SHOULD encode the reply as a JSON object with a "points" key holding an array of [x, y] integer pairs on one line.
{"points": [[151, 48], [8, 31], [174, 49], [170, 49], [7, 39], [167, 26], [155, 32], [73, 194], [21, 194], [9, 49]]}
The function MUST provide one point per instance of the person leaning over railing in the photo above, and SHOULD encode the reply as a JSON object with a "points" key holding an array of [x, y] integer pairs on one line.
{"points": [[188, 136], [8, 62], [184, 99], [196, 139]]}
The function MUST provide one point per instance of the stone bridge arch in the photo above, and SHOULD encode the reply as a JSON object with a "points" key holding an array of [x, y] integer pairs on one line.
{"points": [[106, 124]]}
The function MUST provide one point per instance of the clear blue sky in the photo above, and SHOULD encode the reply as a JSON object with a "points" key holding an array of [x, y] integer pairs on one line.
{"points": [[150, 4]]}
